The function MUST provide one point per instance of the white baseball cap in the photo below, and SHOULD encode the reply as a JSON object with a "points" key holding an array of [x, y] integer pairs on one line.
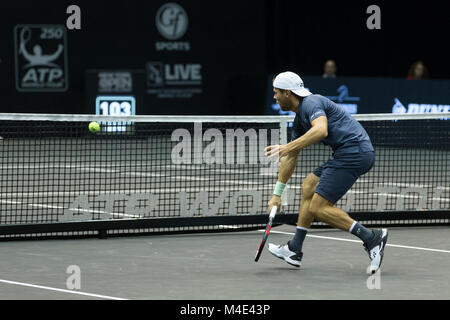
{"points": [[291, 81]]}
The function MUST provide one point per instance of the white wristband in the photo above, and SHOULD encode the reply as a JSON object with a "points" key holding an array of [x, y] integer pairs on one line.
{"points": [[279, 187]]}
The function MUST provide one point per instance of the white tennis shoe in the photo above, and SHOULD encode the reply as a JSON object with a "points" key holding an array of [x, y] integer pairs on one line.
{"points": [[283, 252], [375, 249]]}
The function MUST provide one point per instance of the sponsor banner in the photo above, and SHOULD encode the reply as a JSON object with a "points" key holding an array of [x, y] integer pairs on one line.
{"points": [[376, 95], [172, 22], [174, 75], [123, 205], [41, 57], [419, 108], [115, 81], [183, 60], [114, 92], [165, 80]]}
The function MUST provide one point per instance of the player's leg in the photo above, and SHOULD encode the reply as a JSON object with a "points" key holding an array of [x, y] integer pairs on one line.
{"points": [[305, 217], [291, 252], [374, 241], [337, 178], [324, 211]]}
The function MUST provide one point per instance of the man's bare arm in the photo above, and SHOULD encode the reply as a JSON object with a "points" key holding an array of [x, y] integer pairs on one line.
{"points": [[318, 132], [287, 166]]}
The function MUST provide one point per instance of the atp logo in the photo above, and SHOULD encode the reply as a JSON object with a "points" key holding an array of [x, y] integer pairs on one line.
{"points": [[171, 21], [41, 58]]}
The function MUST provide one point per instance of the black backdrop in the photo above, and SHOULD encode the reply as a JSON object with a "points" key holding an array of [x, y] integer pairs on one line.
{"points": [[238, 44], [303, 34]]}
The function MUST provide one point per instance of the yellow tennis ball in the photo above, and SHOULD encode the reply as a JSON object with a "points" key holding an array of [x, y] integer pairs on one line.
{"points": [[94, 126]]}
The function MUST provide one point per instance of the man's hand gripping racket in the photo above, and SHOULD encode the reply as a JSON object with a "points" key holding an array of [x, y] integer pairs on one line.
{"points": [[266, 232]]}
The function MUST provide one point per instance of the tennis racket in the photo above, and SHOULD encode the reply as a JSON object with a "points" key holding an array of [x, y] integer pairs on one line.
{"points": [[266, 232]]}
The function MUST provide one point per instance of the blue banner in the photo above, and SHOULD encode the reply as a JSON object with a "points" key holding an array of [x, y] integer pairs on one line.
{"points": [[376, 95]]}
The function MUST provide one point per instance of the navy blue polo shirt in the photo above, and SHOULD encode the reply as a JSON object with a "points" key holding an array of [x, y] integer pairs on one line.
{"points": [[345, 134]]}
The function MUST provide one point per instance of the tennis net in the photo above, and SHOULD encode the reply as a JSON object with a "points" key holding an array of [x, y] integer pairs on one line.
{"points": [[153, 174]]}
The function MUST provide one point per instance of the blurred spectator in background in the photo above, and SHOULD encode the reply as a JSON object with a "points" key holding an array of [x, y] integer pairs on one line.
{"points": [[329, 69], [418, 71]]}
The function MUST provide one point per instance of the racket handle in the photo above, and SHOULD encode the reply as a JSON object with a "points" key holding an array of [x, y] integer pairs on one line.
{"points": [[273, 212]]}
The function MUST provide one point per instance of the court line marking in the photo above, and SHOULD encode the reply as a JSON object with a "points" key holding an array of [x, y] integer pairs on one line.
{"points": [[60, 290], [358, 241], [71, 209]]}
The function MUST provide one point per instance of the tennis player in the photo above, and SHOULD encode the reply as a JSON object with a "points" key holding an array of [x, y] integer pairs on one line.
{"points": [[319, 119]]}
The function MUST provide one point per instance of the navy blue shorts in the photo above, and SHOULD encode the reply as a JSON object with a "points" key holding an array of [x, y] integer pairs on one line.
{"points": [[339, 173]]}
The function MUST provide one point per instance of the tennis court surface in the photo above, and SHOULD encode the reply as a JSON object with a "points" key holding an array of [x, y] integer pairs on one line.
{"points": [[172, 208], [221, 266]]}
